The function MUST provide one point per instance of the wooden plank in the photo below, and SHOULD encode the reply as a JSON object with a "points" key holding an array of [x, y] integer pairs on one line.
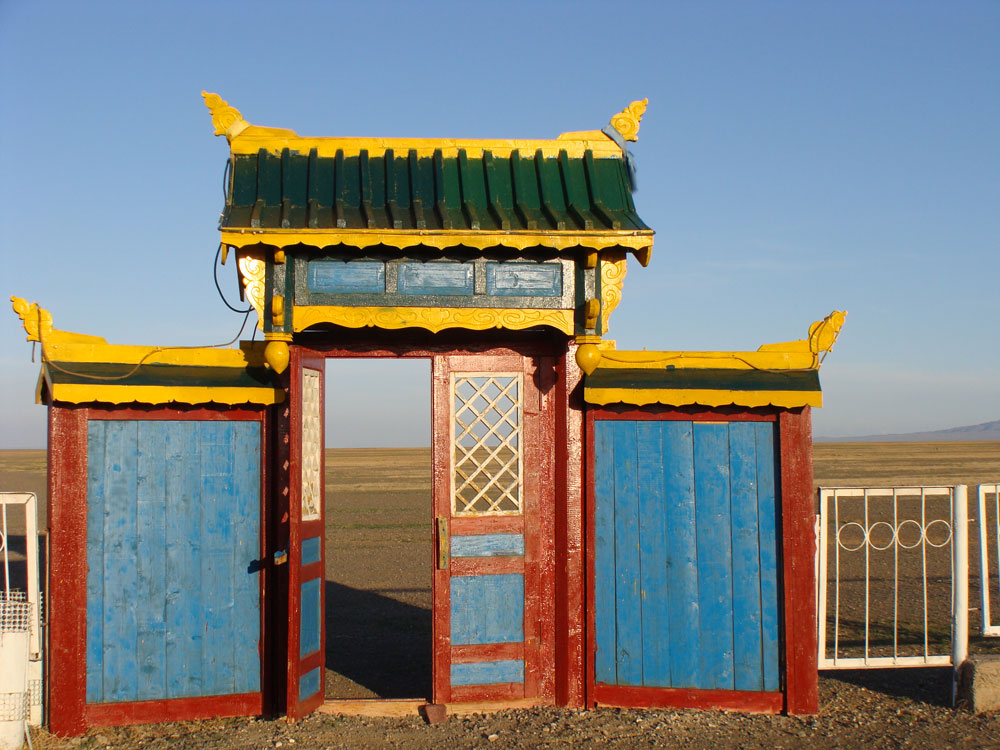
{"points": [[95, 559], [507, 691], [179, 709], [481, 566], [654, 591], [469, 708], [121, 679], [470, 525], [747, 659], [715, 586], [184, 542], [628, 604], [487, 545], [768, 544], [374, 708], [486, 652], [151, 560], [604, 552], [487, 609], [246, 550], [798, 565], [643, 697], [487, 672], [67, 590], [681, 553]]}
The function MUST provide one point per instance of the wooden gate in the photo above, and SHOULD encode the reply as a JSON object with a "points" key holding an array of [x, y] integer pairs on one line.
{"points": [[493, 485], [685, 562]]}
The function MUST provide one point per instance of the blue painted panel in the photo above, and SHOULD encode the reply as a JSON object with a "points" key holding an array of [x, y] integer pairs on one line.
{"points": [[217, 557], [310, 617], [246, 589], [747, 666], [488, 545], [173, 526], [767, 536], [628, 605], [715, 585], [487, 609], [95, 561], [524, 279], [309, 684], [311, 550], [488, 672], [184, 548], [653, 588], [682, 553], [435, 278], [604, 552], [353, 277], [121, 679], [151, 561]]}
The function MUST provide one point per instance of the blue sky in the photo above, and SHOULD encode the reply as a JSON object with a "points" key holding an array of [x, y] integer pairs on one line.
{"points": [[795, 158]]}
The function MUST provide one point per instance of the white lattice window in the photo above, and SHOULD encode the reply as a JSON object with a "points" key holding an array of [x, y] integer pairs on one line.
{"points": [[486, 444], [312, 446]]}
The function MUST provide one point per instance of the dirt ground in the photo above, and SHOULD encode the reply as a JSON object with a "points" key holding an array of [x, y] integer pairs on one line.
{"points": [[378, 634]]}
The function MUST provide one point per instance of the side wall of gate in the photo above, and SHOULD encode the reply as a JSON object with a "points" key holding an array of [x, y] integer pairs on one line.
{"points": [[156, 521], [701, 542]]}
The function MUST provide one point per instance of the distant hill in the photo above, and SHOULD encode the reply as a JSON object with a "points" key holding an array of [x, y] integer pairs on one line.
{"points": [[985, 431]]}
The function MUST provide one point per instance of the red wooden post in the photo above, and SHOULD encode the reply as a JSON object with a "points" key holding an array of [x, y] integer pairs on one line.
{"points": [[799, 548], [66, 607]]}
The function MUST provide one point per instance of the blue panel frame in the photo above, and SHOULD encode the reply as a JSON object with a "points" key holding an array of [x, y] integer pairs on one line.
{"points": [[310, 617], [524, 279], [435, 278], [311, 550], [346, 277], [488, 545], [309, 684]]}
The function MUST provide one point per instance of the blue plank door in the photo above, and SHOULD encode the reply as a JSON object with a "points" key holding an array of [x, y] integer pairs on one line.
{"points": [[486, 507], [685, 555], [173, 533]]}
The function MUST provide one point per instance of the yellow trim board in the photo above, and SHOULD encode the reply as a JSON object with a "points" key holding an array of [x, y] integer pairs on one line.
{"points": [[434, 319], [158, 394], [639, 242], [686, 397]]}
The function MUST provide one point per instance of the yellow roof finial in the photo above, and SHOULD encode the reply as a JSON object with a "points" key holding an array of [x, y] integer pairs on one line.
{"points": [[626, 122], [227, 120]]}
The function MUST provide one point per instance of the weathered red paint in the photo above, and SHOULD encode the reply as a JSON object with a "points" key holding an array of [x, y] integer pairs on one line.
{"points": [[176, 709], [486, 652], [798, 566], [479, 566], [646, 697], [505, 691], [67, 588]]}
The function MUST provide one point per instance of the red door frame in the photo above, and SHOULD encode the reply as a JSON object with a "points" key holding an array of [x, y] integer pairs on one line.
{"points": [[66, 666], [560, 631], [796, 570]]}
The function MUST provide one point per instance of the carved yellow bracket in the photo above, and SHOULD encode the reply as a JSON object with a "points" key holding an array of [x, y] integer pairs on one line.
{"points": [[37, 323], [627, 121]]}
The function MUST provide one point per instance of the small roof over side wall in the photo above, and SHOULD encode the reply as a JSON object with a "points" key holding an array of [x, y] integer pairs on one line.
{"points": [[784, 375], [77, 369]]}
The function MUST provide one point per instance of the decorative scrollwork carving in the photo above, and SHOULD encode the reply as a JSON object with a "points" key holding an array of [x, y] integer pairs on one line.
{"points": [[613, 268], [37, 321], [227, 120], [432, 318], [626, 122], [252, 272]]}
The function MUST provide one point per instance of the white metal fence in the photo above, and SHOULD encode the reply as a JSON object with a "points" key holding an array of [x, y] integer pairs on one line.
{"points": [[892, 567], [989, 536]]}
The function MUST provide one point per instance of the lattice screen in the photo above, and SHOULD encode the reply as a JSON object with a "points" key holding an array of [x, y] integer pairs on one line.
{"points": [[312, 445], [486, 444]]}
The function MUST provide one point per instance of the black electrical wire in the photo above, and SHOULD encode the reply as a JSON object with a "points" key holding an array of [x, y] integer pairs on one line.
{"points": [[215, 274]]}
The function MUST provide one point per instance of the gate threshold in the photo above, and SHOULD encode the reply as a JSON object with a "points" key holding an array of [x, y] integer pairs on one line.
{"points": [[383, 708]]}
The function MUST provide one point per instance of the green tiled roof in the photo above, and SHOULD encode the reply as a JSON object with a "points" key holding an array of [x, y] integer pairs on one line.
{"points": [[404, 191]]}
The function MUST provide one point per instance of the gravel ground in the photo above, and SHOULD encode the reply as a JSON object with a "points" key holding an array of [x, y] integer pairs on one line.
{"points": [[872, 710]]}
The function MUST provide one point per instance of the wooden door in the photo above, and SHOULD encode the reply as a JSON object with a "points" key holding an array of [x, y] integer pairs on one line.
{"points": [[492, 508], [685, 571], [306, 547]]}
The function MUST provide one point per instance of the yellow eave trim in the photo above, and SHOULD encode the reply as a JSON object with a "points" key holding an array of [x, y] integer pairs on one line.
{"points": [[156, 394], [685, 397], [433, 319]]}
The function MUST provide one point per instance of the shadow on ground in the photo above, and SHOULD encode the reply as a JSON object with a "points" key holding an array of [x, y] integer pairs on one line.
{"points": [[931, 685], [377, 642]]}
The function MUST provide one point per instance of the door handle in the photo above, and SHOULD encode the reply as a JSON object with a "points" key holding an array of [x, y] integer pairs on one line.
{"points": [[281, 557], [442, 534]]}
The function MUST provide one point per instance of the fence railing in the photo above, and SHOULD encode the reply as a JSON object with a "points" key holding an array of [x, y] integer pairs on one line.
{"points": [[892, 565], [989, 536]]}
